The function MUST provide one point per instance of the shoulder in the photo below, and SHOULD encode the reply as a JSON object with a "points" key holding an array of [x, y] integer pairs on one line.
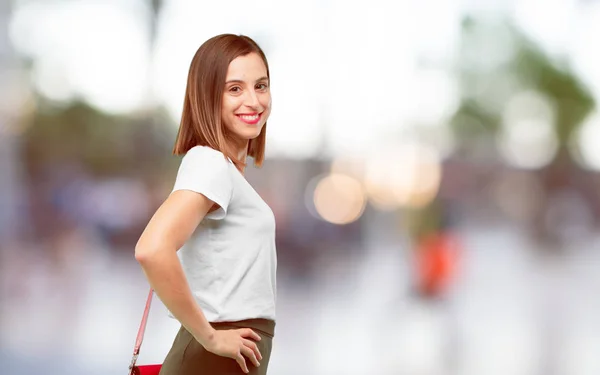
{"points": [[205, 170], [198, 154], [204, 151]]}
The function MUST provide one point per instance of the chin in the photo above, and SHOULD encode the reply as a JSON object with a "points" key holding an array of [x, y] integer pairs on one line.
{"points": [[249, 135], [243, 137]]}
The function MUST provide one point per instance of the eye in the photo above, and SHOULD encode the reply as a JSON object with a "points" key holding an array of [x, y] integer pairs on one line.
{"points": [[235, 89], [262, 86]]}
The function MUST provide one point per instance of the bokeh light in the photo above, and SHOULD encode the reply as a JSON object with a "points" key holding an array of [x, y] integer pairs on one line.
{"points": [[407, 175], [339, 199], [527, 138]]}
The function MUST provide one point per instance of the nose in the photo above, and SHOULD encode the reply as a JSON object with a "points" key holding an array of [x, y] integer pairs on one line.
{"points": [[251, 99]]}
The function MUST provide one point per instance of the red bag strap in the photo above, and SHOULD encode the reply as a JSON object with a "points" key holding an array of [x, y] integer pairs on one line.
{"points": [[141, 330]]}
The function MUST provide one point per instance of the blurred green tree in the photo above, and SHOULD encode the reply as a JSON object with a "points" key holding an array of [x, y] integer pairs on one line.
{"points": [[497, 61], [101, 143]]}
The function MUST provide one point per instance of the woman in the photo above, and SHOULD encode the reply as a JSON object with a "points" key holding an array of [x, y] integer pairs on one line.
{"points": [[209, 250]]}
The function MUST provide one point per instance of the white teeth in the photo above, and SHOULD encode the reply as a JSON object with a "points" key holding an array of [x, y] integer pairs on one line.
{"points": [[249, 118]]}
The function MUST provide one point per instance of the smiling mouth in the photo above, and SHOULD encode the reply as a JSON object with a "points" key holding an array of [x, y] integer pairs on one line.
{"points": [[250, 119]]}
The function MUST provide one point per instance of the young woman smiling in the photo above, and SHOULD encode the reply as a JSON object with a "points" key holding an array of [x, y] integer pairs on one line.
{"points": [[209, 250]]}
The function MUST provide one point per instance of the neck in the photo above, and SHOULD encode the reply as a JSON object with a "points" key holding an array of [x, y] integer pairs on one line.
{"points": [[242, 154], [241, 151]]}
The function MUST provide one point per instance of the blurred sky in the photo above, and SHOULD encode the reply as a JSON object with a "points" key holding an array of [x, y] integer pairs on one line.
{"points": [[325, 57]]}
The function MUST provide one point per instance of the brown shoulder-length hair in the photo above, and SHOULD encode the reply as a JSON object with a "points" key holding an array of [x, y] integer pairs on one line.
{"points": [[201, 122]]}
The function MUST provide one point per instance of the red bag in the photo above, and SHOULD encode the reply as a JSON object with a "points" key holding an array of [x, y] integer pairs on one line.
{"points": [[145, 369]]}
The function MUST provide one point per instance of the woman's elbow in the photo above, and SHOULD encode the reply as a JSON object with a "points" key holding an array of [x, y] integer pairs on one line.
{"points": [[140, 254], [144, 252]]}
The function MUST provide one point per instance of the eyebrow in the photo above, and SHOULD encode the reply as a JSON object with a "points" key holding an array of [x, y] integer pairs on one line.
{"points": [[265, 78]]}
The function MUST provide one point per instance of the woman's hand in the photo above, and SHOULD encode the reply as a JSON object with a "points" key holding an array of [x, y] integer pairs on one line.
{"points": [[235, 344]]}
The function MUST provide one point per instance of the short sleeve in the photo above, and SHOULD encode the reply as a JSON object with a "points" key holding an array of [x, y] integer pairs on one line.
{"points": [[206, 171]]}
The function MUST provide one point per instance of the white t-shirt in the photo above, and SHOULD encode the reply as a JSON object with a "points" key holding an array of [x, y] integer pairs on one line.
{"points": [[230, 262]]}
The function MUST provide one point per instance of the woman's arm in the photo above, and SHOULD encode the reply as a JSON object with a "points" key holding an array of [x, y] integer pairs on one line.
{"points": [[171, 226]]}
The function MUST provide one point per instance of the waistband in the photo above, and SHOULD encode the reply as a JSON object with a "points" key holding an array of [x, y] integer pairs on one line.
{"points": [[265, 326]]}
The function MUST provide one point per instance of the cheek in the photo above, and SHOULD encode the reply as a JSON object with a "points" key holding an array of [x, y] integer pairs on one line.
{"points": [[266, 102], [227, 106], [227, 110]]}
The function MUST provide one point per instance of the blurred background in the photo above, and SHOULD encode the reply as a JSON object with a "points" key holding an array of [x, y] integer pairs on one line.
{"points": [[433, 167]]}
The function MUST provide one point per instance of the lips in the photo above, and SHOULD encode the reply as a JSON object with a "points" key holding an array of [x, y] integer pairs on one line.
{"points": [[250, 118]]}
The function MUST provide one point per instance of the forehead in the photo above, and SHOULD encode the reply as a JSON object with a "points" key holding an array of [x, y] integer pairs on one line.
{"points": [[249, 67]]}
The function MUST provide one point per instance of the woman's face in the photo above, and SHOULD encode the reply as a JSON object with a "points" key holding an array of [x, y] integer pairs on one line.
{"points": [[247, 97]]}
